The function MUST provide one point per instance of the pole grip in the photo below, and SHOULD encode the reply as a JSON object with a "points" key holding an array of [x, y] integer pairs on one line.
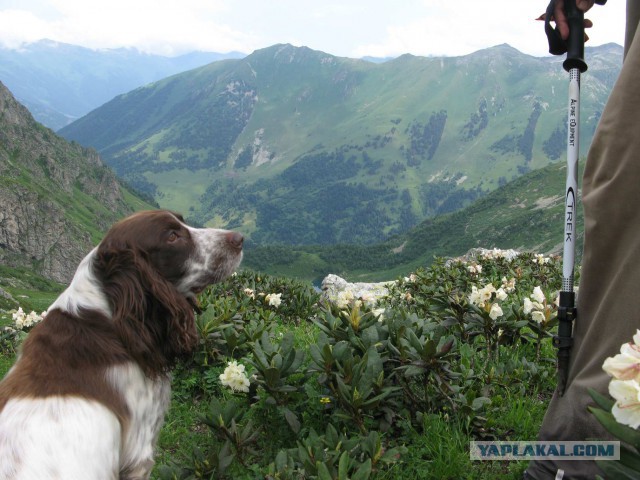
{"points": [[575, 42]]}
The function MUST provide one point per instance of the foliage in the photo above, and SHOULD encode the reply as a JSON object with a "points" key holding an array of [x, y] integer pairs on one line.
{"points": [[335, 391]]}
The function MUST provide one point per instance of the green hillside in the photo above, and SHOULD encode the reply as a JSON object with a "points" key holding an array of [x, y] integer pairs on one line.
{"points": [[295, 146], [57, 198], [525, 214]]}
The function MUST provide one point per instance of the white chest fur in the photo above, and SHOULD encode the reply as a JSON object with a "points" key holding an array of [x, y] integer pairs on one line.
{"points": [[147, 401]]}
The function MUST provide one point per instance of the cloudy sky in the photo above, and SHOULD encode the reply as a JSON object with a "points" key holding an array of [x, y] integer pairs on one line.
{"points": [[349, 28]]}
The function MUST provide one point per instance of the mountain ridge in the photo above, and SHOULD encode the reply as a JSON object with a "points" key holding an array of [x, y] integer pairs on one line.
{"points": [[362, 150], [61, 82]]}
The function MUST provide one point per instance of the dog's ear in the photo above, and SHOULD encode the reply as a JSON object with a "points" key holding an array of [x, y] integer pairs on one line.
{"points": [[154, 321]]}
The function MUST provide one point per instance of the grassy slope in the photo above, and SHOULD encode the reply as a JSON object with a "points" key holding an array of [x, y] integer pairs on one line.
{"points": [[525, 214]]}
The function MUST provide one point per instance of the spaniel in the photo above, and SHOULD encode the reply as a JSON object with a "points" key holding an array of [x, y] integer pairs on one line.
{"points": [[87, 396]]}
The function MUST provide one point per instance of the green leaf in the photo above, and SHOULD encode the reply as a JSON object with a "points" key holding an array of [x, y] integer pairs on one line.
{"points": [[291, 419], [341, 351], [323, 471], [316, 355], [272, 376], [429, 350], [629, 458], [260, 358], [287, 341], [413, 370], [364, 472], [343, 466], [617, 471], [225, 457], [605, 403], [480, 402], [281, 460], [622, 432]]}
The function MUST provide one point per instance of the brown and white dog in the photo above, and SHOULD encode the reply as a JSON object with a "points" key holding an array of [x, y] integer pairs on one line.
{"points": [[88, 394]]}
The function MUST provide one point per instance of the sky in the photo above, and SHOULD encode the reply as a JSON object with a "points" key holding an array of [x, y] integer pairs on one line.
{"points": [[346, 28]]}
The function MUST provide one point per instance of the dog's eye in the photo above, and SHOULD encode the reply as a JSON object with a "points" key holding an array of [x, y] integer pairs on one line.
{"points": [[173, 236]]}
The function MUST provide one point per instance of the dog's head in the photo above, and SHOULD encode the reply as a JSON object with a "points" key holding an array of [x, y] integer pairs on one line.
{"points": [[152, 265]]}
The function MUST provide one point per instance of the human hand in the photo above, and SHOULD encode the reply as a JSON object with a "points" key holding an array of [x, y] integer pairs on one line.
{"points": [[560, 18]]}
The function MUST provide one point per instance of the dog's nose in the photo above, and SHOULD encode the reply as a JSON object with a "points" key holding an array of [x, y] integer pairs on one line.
{"points": [[235, 239]]}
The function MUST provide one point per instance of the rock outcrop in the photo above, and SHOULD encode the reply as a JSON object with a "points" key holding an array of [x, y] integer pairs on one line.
{"points": [[56, 197], [337, 290]]}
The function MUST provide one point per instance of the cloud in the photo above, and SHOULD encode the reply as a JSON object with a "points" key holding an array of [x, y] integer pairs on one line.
{"points": [[158, 26], [458, 28], [356, 28], [465, 26]]}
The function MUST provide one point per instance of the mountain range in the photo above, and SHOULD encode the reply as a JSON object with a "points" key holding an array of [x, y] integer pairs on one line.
{"points": [[60, 83], [293, 146]]}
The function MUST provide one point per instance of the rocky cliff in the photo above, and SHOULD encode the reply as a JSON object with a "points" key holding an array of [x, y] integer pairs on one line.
{"points": [[56, 197]]}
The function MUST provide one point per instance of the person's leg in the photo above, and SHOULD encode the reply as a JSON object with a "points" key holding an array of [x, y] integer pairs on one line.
{"points": [[608, 300]]}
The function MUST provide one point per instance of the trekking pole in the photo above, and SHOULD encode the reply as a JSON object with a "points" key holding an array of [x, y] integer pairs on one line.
{"points": [[575, 65]]}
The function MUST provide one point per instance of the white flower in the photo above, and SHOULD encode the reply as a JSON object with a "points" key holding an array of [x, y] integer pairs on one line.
{"points": [[501, 294], [625, 365], [495, 311], [344, 298], [411, 278], [508, 285], [538, 316], [487, 292], [235, 377], [249, 293], [475, 269], [626, 410], [368, 298], [274, 299], [483, 296], [378, 312], [541, 259], [475, 297], [23, 320], [538, 295]]}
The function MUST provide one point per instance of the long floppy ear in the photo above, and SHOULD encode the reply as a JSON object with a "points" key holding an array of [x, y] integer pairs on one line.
{"points": [[155, 322]]}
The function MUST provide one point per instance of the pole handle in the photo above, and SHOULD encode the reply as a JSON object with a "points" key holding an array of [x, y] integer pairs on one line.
{"points": [[575, 42], [574, 45]]}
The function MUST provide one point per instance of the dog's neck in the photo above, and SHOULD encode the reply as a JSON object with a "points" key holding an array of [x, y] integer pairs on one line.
{"points": [[84, 292]]}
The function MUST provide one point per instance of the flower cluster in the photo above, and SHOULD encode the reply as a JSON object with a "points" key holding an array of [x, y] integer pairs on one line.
{"points": [[487, 298], [541, 259], [348, 298], [234, 377], [24, 321], [624, 387], [509, 286], [274, 299], [538, 307], [413, 278], [271, 299], [474, 269]]}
